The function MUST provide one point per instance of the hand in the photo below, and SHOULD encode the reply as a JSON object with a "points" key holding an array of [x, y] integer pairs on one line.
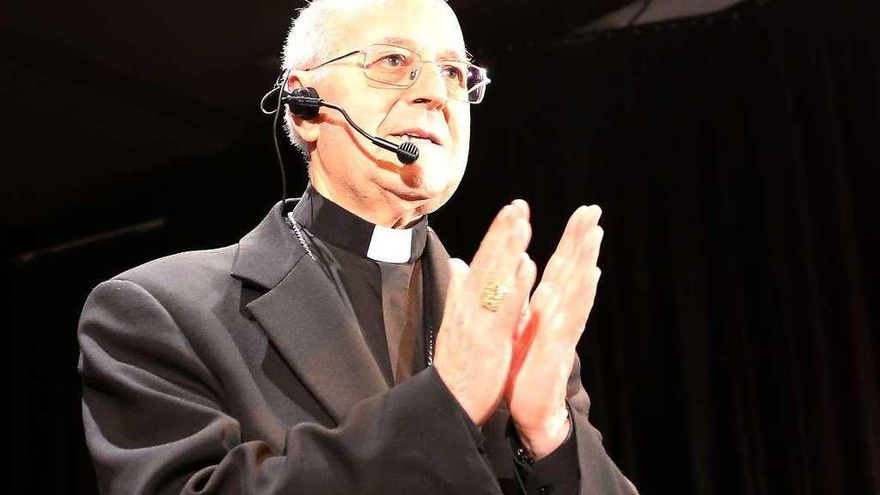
{"points": [[545, 346], [475, 345]]}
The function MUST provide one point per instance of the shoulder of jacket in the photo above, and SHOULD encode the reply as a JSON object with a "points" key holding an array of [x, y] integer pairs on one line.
{"points": [[189, 271]]}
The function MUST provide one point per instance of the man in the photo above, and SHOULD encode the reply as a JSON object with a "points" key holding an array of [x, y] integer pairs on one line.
{"points": [[336, 349]]}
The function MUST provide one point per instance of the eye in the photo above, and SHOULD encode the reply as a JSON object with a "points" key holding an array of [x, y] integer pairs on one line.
{"points": [[394, 60], [453, 73]]}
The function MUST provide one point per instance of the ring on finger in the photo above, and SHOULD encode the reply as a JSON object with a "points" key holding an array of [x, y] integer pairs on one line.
{"points": [[492, 295]]}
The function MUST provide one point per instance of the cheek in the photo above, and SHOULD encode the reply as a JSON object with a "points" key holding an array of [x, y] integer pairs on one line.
{"points": [[461, 132], [339, 140], [458, 125], [366, 107]]}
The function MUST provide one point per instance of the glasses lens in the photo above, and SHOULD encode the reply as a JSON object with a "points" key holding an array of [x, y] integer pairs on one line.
{"points": [[464, 81], [476, 84], [399, 67], [392, 65], [476, 95]]}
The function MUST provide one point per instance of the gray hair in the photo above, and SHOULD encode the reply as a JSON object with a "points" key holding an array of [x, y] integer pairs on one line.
{"points": [[312, 38]]}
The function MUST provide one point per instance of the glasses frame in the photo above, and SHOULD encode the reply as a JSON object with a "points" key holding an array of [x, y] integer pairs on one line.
{"points": [[482, 85]]}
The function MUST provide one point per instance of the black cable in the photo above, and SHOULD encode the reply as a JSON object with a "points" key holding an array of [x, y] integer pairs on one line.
{"points": [[277, 147], [407, 152]]}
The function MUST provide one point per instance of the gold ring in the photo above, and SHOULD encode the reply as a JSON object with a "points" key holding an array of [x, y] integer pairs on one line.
{"points": [[492, 295]]}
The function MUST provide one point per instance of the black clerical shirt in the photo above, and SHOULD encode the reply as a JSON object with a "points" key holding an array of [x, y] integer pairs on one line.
{"points": [[378, 273], [380, 280]]}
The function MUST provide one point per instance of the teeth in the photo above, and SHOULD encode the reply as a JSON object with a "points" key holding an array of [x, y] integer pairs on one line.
{"points": [[411, 138]]}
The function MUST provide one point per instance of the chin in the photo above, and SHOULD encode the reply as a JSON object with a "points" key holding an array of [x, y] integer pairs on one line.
{"points": [[431, 180], [419, 193], [426, 182]]}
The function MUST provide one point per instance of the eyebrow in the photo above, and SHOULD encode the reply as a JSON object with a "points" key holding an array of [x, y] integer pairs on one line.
{"points": [[448, 53]]}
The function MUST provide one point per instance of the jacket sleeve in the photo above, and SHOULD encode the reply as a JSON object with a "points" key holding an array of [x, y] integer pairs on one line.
{"points": [[598, 473], [155, 422], [580, 464]]}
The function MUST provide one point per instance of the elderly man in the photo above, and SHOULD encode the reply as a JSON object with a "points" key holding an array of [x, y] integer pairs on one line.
{"points": [[336, 349]]}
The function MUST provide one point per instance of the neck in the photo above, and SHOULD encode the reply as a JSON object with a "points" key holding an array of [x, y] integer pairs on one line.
{"points": [[384, 208]]}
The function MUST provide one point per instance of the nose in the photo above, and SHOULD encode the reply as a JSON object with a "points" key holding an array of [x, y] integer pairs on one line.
{"points": [[429, 88]]}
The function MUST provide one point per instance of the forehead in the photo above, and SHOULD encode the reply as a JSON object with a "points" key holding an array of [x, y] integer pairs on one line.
{"points": [[427, 26]]}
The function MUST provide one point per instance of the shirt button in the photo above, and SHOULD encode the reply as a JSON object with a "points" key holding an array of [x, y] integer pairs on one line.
{"points": [[545, 490]]}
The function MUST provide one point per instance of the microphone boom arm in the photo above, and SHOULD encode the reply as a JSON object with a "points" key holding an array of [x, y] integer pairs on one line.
{"points": [[407, 153]]}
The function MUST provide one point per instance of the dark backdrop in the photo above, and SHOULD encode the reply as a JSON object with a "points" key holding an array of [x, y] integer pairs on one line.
{"points": [[733, 346]]}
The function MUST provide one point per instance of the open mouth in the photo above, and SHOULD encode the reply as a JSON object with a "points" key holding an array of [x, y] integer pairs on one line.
{"points": [[416, 137]]}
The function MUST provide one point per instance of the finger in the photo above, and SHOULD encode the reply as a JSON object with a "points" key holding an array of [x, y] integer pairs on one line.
{"points": [[523, 207], [523, 317], [559, 266], [567, 245], [509, 311], [584, 266], [525, 327], [576, 292], [593, 243], [496, 240], [574, 299], [584, 303], [578, 250], [544, 305], [500, 253], [595, 214], [582, 262], [577, 307], [458, 271]]}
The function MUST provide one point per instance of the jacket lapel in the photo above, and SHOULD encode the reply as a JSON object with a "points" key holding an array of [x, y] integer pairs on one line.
{"points": [[437, 281], [306, 319]]}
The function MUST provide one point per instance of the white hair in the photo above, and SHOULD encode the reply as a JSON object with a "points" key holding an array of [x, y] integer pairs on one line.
{"points": [[312, 40]]}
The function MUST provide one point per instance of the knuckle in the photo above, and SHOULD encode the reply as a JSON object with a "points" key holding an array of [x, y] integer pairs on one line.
{"points": [[558, 261]]}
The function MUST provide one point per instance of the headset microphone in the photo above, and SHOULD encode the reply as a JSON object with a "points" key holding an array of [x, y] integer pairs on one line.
{"points": [[305, 102]]}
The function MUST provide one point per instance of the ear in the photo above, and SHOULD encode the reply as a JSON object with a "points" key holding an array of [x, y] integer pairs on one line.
{"points": [[307, 129]]}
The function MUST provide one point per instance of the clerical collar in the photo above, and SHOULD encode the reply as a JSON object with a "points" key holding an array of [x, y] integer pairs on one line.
{"points": [[335, 225]]}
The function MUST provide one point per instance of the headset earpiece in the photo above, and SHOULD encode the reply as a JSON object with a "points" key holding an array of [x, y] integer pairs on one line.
{"points": [[303, 102]]}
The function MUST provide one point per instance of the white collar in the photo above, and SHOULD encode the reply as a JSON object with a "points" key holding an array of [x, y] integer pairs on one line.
{"points": [[390, 245]]}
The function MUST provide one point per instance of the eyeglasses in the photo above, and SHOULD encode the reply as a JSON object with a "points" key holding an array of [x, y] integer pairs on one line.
{"points": [[399, 67]]}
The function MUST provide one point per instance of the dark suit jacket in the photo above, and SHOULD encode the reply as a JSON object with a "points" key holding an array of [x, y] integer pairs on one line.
{"points": [[239, 370]]}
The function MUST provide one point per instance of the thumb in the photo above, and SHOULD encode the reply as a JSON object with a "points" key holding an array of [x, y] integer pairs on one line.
{"points": [[458, 272]]}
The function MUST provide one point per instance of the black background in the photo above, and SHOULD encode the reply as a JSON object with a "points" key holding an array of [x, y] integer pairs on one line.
{"points": [[733, 346]]}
